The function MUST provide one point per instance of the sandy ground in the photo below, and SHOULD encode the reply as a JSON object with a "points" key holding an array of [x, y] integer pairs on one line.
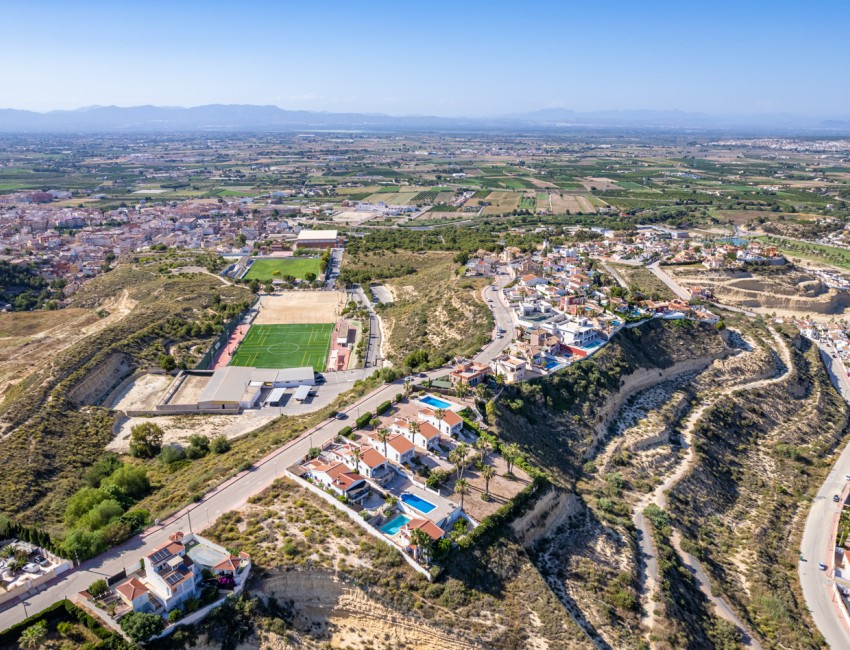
{"points": [[142, 394], [352, 217], [178, 428], [300, 307], [190, 390], [23, 354]]}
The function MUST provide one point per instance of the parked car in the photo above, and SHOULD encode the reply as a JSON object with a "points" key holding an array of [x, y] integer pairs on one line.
{"points": [[31, 567], [836, 498], [847, 477], [422, 375], [821, 566], [320, 379], [41, 560]]}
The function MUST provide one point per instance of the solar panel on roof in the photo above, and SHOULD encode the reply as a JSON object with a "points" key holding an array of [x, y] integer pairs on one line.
{"points": [[173, 578], [160, 555]]}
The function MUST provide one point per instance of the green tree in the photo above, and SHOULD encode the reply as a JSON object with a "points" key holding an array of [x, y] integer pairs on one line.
{"points": [[422, 542], [461, 488], [383, 436], [133, 479], [140, 626], [34, 635], [510, 453], [166, 362], [146, 440], [487, 473]]}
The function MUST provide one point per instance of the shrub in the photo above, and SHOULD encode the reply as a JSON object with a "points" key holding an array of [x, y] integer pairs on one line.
{"points": [[220, 445], [171, 454], [363, 420], [98, 588], [346, 431], [133, 479], [175, 615], [140, 626], [145, 440], [383, 407]]}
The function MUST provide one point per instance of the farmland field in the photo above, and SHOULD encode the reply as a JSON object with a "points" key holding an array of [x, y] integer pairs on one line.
{"points": [[285, 346], [501, 202], [264, 269]]}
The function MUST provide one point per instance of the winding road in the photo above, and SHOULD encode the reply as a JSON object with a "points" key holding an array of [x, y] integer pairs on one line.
{"points": [[649, 576]]}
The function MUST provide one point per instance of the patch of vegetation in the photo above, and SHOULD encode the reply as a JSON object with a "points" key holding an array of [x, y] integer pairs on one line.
{"points": [[761, 456]]}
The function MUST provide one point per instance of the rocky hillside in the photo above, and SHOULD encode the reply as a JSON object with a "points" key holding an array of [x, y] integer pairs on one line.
{"points": [[53, 426]]}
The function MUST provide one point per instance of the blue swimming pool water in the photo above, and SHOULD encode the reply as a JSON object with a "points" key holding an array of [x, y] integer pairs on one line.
{"points": [[394, 525], [418, 503], [433, 402]]}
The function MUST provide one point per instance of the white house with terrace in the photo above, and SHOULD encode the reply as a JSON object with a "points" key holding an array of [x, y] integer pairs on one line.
{"points": [[449, 424], [427, 436]]}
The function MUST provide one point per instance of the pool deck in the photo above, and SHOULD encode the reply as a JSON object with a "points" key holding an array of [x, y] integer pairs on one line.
{"points": [[452, 406], [443, 507]]}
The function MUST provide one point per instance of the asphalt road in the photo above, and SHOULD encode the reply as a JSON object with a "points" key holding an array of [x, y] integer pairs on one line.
{"points": [[817, 543], [501, 314], [675, 287]]}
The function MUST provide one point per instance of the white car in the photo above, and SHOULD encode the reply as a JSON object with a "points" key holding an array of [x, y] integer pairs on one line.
{"points": [[31, 567]]}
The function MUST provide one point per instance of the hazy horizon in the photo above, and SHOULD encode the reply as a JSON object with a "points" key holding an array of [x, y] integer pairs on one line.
{"points": [[477, 60]]}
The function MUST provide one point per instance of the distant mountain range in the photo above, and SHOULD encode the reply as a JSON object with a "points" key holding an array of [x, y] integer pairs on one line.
{"points": [[247, 117]]}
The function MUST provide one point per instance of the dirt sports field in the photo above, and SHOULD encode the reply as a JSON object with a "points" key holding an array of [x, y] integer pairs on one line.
{"points": [[300, 307]]}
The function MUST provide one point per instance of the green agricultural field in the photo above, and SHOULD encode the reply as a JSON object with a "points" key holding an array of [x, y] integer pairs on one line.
{"points": [[285, 346], [265, 269]]}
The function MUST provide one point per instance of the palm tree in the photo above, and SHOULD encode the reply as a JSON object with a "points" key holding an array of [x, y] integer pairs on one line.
{"points": [[422, 542], [461, 488], [413, 425], [355, 454], [34, 635], [484, 447], [487, 472], [383, 435], [458, 456], [510, 453]]}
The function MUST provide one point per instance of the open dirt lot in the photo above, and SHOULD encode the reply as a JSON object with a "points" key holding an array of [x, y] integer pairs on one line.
{"points": [[190, 390], [142, 394], [300, 307]]}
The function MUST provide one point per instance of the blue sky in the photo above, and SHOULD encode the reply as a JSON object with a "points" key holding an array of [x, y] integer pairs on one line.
{"points": [[436, 57]]}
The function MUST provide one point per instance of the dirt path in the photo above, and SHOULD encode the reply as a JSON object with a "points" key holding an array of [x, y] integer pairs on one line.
{"points": [[649, 576]]}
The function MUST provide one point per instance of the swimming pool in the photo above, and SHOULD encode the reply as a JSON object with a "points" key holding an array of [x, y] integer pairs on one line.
{"points": [[394, 525], [433, 402], [417, 503]]}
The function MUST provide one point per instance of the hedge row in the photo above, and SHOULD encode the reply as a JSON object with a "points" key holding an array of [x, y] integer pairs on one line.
{"points": [[58, 612], [363, 420], [383, 407]]}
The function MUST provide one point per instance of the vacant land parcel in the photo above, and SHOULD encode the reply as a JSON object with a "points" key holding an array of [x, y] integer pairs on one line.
{"points": [[285, 346], [275, 268]]}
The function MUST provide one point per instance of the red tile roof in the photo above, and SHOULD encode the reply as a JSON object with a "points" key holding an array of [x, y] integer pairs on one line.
{"points": [[372, 458], [400, 443], [132, 589], [432, 529], [429, 431]]}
